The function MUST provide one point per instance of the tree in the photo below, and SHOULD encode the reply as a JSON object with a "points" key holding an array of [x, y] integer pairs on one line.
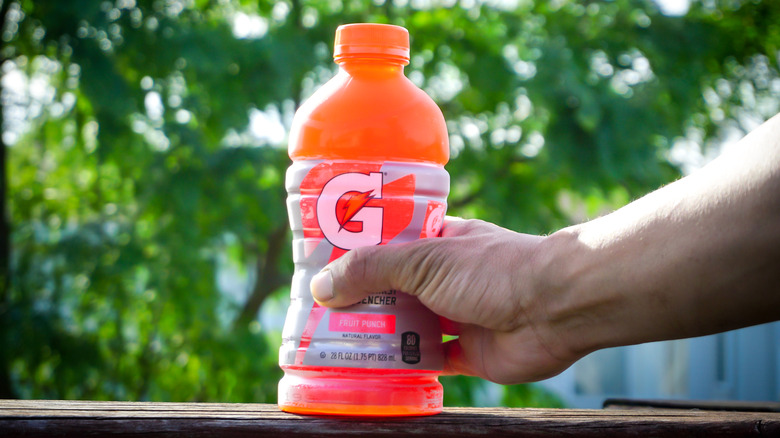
{"points": [[149, 162]]}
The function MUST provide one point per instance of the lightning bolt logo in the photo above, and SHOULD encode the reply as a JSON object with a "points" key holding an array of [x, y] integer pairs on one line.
{"points": [[352, 206]]}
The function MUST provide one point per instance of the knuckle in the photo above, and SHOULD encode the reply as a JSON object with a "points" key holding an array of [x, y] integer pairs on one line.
{"points": [[474, 226], [424, 269], [355, 266]]}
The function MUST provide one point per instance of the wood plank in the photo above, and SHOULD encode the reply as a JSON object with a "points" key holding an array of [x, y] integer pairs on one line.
{"points": [[32, 418], [708, 405]]}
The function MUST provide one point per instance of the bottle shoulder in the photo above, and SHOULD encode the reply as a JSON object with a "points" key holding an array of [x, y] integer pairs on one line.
{"points": [[370, 116], [346, 98]]}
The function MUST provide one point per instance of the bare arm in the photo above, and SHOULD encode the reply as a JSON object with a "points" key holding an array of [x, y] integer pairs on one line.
{"points": [[698, 256]]}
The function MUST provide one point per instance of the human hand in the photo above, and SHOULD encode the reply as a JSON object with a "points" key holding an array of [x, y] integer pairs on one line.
{"points": [[482, 280]]}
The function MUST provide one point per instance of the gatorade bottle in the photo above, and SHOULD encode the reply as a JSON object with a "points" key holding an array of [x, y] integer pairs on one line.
{"points": [[368, 151]]}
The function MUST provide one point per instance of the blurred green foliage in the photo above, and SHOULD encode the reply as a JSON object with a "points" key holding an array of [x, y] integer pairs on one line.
{"points": [[143, 168]]}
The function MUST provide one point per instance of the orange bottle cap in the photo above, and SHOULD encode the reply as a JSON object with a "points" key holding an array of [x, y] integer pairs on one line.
{"points": [[369, 40]]}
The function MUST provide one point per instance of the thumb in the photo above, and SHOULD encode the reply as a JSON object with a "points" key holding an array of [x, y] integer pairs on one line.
{"points": [[361, 272]]}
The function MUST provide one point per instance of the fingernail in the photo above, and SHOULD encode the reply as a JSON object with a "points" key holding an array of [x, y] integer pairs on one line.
{"points": [[322, 286]]}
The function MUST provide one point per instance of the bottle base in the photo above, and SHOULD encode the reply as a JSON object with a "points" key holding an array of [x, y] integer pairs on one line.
{"points": [[360, 392]]}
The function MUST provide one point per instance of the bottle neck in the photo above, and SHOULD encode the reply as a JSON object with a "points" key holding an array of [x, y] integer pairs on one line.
{"points": [[371, 66]]}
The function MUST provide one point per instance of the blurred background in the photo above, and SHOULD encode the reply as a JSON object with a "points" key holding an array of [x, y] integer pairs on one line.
{"points": [[143, 233]]}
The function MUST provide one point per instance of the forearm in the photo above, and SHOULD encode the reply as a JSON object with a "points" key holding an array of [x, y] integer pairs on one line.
{"points": [[699, 256]]}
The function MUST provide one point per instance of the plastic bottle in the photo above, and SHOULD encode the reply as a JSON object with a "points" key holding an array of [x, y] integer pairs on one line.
{"points": [[368, 151]]}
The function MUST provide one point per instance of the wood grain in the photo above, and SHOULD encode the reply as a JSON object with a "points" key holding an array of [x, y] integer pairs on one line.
{"points": [[707, 405], [31, 418]]}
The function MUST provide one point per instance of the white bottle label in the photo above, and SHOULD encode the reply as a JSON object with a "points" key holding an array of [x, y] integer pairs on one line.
{"points": [[336, 206]]}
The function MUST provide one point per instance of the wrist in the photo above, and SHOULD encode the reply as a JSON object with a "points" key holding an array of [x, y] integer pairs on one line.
{"points": [[580, 309]]}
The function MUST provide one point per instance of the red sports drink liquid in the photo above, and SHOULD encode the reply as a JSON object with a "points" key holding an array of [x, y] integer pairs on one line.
{"points": [[368, 151]]}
